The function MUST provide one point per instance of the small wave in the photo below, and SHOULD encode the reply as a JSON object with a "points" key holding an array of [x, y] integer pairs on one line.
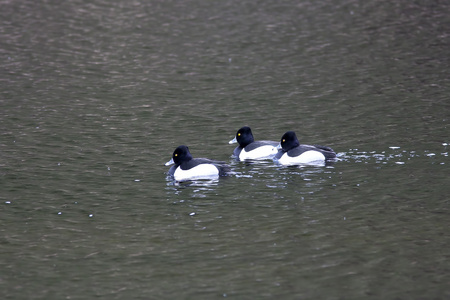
{"points": [[395, 155]]}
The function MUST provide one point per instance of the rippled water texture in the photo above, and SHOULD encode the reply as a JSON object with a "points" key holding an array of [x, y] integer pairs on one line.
{"points": [[96, 95]]}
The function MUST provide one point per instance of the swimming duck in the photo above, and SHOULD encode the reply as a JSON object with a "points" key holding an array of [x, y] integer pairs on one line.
{"points": [[291, 152], [188, 168], [249, 148]]}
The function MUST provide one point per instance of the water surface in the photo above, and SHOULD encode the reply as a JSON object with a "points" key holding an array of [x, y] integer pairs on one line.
{"points": [[96, 96]]}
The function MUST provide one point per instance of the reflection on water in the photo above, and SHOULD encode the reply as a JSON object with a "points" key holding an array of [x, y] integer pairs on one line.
{"points": [[195, 183]]}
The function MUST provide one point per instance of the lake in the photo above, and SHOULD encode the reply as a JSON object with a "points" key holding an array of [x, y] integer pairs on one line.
{"points": [[96, 95]]}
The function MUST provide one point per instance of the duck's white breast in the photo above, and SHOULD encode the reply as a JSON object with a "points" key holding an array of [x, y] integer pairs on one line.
{"points": [[203, 171], [259, 153], [308, 157]]}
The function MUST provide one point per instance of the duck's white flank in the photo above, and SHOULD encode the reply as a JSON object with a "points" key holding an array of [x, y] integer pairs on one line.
{"points": [[308, 157], [203, 171], [262, 152]]}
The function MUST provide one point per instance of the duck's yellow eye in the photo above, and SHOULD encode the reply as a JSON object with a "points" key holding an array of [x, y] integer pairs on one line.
{"points": [[283, 141], [176, 154], [239, 134]]}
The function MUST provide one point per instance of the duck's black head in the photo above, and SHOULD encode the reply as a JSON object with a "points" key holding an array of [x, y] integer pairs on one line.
{"points": [[289, 141], [244, 136], [181, 154]]}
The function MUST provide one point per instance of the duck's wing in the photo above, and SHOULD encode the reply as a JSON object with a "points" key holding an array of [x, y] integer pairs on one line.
{"points": [[297, 151], [257, 144], [325, 148], [327, 151], [199, 161], [224, 169]]}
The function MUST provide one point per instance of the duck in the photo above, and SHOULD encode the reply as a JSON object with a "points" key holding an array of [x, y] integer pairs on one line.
{"points": [[185, 167], [249, 148], [291, 152]]}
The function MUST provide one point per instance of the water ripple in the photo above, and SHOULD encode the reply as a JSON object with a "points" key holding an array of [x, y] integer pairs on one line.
{"points": [[393, 155]]}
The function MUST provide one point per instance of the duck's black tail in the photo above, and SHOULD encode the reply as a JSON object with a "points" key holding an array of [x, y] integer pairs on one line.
{"points": [[327, 151]]}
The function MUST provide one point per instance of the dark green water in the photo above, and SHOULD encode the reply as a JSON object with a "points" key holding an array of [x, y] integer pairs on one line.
{"points": [[96, 95]]}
